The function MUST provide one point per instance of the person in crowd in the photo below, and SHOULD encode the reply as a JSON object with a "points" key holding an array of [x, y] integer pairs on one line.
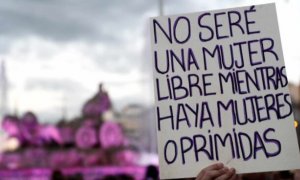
{"points": [[125, 177], [151, 173], [57, 175], [110, 177]]}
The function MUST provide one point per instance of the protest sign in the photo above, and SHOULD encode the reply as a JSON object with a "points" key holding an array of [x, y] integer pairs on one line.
{"points": [[221, 92]]}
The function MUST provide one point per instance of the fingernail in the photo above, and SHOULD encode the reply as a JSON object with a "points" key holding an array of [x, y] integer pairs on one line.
{"points": [[232, 169], [226, 169], [220, 164]]}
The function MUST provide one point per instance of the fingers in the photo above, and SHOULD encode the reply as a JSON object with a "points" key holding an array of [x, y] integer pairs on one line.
{"points": [[212, 174], [212, 167], [235, 177], [229, 174], [217, 172]]}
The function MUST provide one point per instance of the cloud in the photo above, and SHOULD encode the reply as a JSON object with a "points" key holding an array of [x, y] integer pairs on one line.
{"points": [[49, 97], [71, 20], [68, 88], [52, 84], [115, 26]]}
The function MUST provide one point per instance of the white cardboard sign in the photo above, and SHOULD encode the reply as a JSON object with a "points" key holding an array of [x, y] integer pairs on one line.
{"points": [[221, 92]]}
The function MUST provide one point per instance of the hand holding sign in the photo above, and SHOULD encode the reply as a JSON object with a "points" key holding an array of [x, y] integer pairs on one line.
{"points": [[217, 172]]}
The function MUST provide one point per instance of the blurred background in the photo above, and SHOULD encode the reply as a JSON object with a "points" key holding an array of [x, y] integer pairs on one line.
{"points": [[76, 92]]}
